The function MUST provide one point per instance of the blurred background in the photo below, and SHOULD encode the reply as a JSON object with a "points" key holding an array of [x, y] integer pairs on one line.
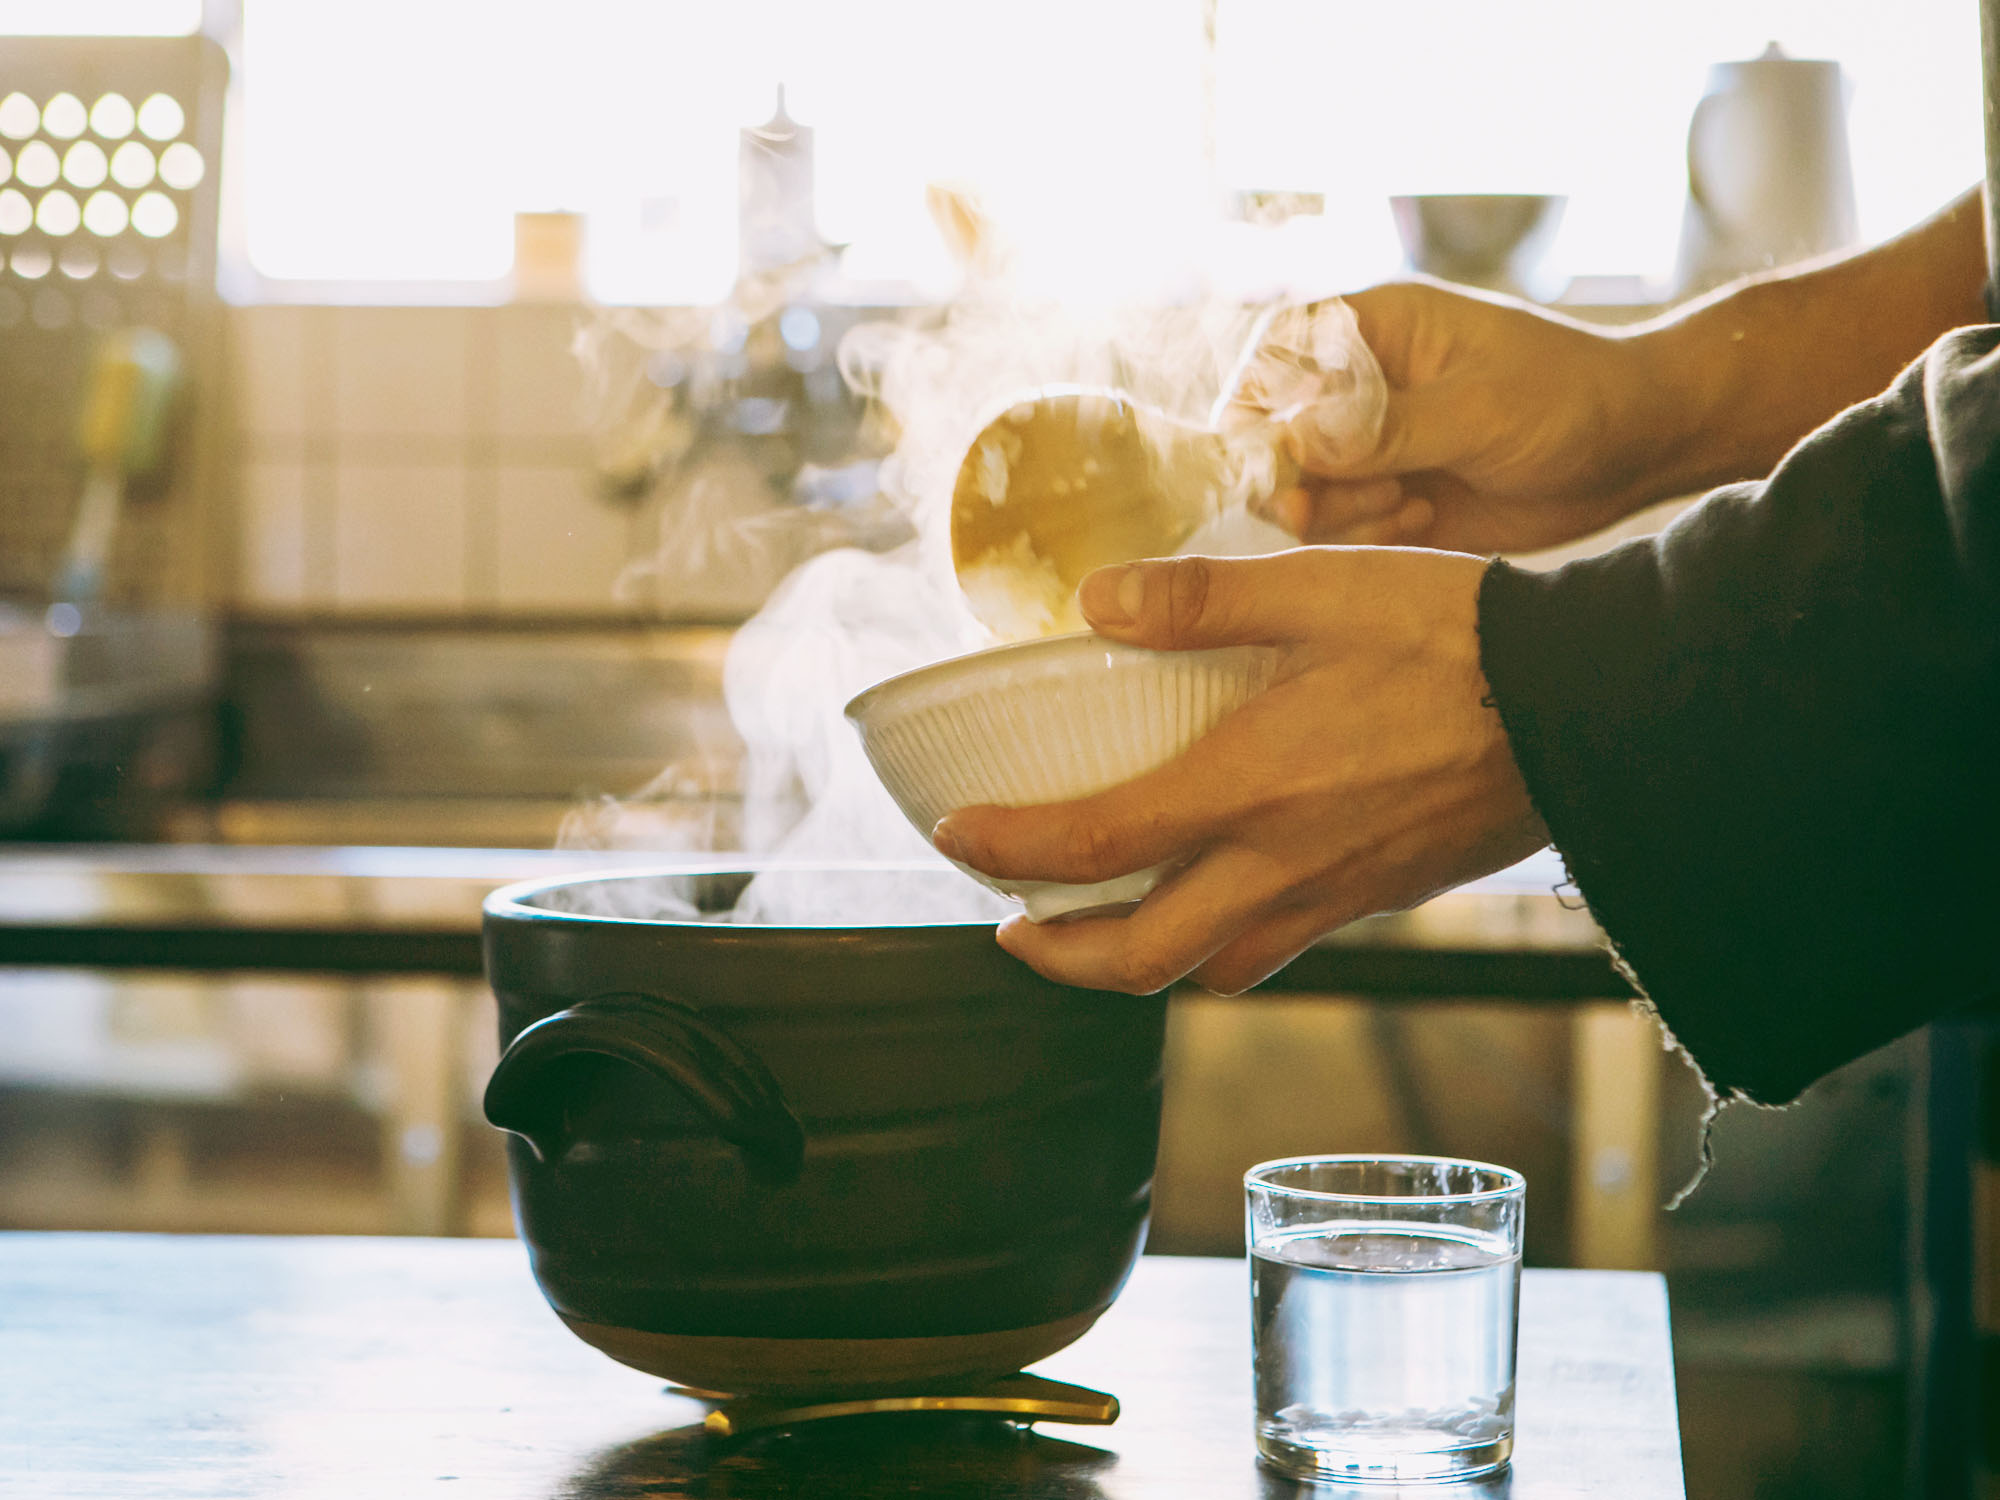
{"points": [[403, 405]]}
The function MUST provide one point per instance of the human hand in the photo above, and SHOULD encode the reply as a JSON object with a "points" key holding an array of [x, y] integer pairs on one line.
{"points": [[1370, 775], [1506, 430]]}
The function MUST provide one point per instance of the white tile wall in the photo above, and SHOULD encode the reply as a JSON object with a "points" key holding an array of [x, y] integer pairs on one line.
{"points": [[400, 372], [271, 349], [418, 461], [558, 546], [399, 536], [538, 386], [271, 537]]}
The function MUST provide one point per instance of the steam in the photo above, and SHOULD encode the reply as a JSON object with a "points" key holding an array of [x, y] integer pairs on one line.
{"points": [[851, 616]]}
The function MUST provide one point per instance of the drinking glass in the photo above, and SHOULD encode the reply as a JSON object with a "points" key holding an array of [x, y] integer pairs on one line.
{"points": [[1383, 1294]]}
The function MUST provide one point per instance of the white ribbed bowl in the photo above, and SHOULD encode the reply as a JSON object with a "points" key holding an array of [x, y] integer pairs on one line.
{"points": [[1045, 721]]}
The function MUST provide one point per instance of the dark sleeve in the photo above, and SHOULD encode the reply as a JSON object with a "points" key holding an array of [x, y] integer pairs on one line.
{"points": [[1767, 742]]}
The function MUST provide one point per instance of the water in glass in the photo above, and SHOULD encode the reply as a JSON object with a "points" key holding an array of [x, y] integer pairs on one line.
{"points": [[1385, 1350]]}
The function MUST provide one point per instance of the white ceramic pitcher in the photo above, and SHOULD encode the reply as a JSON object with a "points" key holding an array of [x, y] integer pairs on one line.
{"points": [[1769, 178]]}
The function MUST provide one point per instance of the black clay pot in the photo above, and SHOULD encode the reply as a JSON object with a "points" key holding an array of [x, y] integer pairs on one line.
{"points": [[788, 1159]]}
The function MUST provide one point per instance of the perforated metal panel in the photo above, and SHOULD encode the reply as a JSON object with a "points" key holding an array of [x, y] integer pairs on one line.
{"points": [[110, 149]]}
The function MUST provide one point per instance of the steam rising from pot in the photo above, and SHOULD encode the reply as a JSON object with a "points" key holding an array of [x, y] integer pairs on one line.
{"points": [[849, 617]]}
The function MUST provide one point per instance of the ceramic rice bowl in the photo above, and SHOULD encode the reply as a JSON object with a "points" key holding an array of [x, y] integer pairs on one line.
{"points": [[1047, 721]]}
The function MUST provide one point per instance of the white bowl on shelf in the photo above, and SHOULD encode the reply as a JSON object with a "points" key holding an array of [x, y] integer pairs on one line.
{"points": [[1047, 721]]}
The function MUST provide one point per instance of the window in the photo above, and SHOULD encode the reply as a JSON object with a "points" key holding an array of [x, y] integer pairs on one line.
{"points": [[393, 141], [99, 17], [1581, 97]]}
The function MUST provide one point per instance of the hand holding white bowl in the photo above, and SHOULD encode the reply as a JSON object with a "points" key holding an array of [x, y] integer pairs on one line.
{"points": [[1371, 774], [1042, 721]]}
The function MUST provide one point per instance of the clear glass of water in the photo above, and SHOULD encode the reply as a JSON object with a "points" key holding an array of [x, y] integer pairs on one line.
{"points": [[1383, 1294]]}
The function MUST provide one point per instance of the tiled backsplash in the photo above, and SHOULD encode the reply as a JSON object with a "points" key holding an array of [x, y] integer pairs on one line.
{"points": [[418, 461]]}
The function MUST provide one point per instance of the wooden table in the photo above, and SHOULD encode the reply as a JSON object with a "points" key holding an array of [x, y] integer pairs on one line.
{"points": [[137, 1365]]}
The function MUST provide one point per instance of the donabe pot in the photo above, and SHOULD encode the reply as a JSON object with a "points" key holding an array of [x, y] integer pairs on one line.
{"points": [[756, 1158]]}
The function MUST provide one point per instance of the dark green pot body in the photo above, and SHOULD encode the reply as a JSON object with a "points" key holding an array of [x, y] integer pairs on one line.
{"points": [[973, 1150]]}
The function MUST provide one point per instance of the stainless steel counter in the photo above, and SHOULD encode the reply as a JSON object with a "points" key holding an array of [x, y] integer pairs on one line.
{"points": [[416, 910], [371, 911]]}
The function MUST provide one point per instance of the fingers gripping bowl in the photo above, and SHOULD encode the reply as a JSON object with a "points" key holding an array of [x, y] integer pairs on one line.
{"points": [[1048, 721]]}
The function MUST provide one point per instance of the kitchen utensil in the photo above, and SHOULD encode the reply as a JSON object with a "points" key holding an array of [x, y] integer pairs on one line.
{"points": [[1070, 478], [122, 436], [794, 1160], [1383, 1293], [1044, 721], [1497, 241], [117, 718], [125, 239], [777, 225], [1769, 177]]}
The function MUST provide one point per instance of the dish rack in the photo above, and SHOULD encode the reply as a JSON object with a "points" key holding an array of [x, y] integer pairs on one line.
{"points": [[110, 156]]}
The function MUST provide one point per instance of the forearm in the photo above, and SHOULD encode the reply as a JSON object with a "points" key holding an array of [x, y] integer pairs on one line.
{"points": [[1764, 741], [1746, 372]]}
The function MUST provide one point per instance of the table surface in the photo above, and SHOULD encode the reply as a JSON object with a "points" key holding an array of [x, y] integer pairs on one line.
{"points": [[138, 1365]]}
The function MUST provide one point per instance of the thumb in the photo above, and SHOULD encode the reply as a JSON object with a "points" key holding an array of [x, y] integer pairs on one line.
{"points": [[1190, 603]]}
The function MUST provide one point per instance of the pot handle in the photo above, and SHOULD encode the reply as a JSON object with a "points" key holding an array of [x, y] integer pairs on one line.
{"points": [[673, 1042]]}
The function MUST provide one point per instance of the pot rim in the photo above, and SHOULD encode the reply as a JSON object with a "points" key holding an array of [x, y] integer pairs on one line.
{"points": [[514, 903], [1043, 657], [948, 673]]}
